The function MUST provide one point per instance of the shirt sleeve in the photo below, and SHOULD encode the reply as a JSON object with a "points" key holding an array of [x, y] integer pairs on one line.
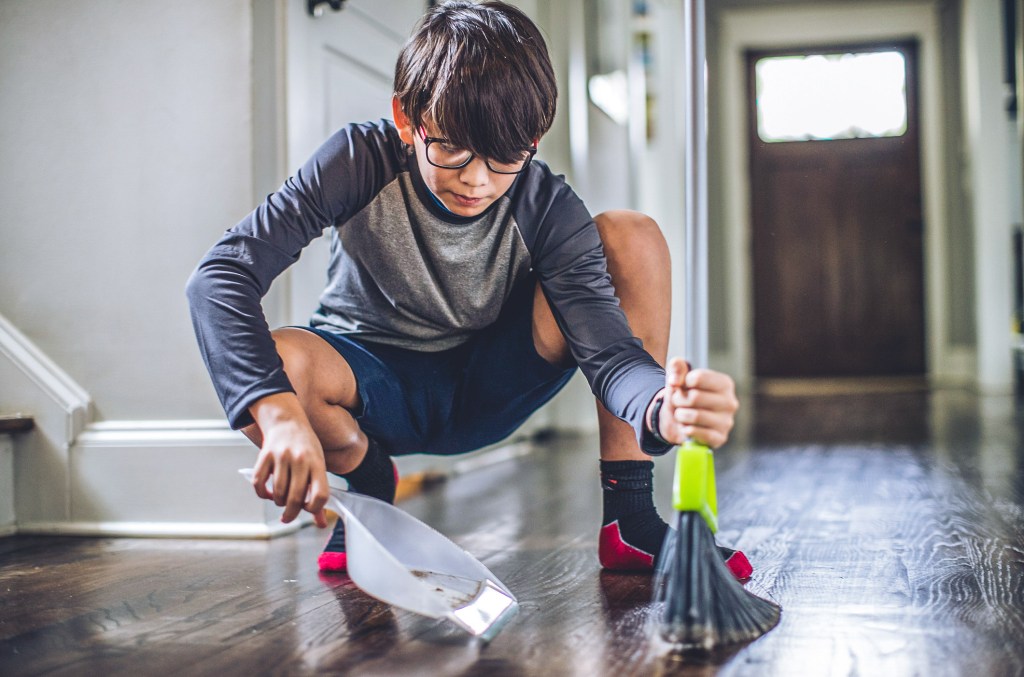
{"points": [[570, 262], [226, 289]]}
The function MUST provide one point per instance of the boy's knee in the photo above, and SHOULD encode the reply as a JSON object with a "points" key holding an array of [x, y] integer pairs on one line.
{"points": [[288, 342], [346, 455], [632, 234], [320, 376], [293, 346]]}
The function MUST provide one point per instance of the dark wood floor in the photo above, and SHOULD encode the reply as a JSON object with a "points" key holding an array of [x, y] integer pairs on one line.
{"points": [[889, 528]]}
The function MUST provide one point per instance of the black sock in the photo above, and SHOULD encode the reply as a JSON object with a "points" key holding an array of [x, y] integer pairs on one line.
{"points": [[629, 500], [375, 476]]}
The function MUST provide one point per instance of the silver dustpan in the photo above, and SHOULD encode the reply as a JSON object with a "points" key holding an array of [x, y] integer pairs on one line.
{"points": [[401, 561]]}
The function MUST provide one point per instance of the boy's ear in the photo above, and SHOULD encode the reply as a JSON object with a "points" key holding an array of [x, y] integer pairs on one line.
{"points": [[405, 130]]}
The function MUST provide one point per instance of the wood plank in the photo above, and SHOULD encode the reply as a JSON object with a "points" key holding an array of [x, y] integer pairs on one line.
{"points": [[889, 527]]}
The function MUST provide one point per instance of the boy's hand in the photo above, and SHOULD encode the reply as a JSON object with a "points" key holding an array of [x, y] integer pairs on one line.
{"points": [[699, 405], [292, 454]]}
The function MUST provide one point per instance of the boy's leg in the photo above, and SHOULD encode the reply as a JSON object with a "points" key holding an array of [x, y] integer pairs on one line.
{"points": [[632, 532], [326, 387], [638, 261]]}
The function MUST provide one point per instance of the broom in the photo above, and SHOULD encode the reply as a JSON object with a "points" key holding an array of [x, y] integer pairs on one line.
{"points": [[704, 605]]}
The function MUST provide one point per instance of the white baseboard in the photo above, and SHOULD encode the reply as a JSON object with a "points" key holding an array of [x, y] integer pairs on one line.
{"points": [[179, 479], [956, 368], [162, 479], [7, 520], [219, 530]]}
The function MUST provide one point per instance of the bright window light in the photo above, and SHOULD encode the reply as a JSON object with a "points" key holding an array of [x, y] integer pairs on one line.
{"points": [[831, 96], [610, 93]]}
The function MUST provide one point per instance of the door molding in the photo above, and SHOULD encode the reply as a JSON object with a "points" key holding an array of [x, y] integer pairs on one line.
{"points": [[763, 29]]}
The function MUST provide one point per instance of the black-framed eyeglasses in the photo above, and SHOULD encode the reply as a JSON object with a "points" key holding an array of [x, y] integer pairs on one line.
{"points": [[441, 153]]}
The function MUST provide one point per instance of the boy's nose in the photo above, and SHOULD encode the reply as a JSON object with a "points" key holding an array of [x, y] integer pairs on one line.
{"points": [[475, 173]]}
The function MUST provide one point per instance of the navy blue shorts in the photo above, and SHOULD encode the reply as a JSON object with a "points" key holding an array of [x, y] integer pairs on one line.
{"points": [[456, 400]]}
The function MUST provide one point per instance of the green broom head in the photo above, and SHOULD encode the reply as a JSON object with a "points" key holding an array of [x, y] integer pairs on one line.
{"points": [[705, 607]]}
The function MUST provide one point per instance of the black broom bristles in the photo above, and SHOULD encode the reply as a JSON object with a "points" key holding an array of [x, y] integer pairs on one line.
{"points": [[705, 606]]}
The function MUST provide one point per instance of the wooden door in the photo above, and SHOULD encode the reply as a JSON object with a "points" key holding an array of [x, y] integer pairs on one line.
{"points": [[837, 246]]}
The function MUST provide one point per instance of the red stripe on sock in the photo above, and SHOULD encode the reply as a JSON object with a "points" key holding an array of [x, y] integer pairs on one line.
{"points": [[614, 553], [333, 561], [739, 565]]}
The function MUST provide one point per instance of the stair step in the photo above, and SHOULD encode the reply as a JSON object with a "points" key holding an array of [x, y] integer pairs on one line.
{"points": [[16, 423]]}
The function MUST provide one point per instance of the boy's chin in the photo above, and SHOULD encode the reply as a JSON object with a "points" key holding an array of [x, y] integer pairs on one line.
{"points": [[467, 210]]}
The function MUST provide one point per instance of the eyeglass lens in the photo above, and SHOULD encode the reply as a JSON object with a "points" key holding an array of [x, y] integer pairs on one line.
{"points": [[443, 155]]}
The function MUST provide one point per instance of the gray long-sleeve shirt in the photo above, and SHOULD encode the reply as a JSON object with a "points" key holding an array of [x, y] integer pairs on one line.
{"points": [[405, 271]]}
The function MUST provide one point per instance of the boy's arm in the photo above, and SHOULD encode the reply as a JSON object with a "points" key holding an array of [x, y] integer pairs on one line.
{"points": [[226, 289], [573, 271], [569, 260], [225, 294]]}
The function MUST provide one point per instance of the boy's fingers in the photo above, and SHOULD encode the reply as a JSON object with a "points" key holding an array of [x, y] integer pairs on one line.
{"points": [[282, 479], [674, 432], [320, 518], [318, 499], [702, 418], [702, 399], [316, 502], [709, 437], [708, 379], [678, 433], [261, 473], [296, 496], [675, 372]]}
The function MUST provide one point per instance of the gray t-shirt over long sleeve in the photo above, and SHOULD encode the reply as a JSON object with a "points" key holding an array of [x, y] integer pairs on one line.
{"points": [[405, 271]]}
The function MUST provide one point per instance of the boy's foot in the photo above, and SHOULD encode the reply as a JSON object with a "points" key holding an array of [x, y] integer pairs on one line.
{"points": [[334, 558], [633, 533], [376, 476], [616, 553], [737, 562]]}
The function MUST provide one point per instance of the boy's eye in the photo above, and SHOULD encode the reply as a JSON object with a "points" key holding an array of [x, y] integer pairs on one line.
{"points": [[515, 163], [450, 149]]}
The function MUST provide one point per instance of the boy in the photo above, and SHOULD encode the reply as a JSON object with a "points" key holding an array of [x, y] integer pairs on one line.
{"points": [[466, 284]]}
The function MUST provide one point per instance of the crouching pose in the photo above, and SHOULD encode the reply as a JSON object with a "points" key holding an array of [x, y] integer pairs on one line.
{"points": [[467, 283]]}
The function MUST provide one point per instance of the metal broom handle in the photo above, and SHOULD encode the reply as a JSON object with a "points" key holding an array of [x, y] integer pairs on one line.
{"points": [[694, 487], [695, 191]]}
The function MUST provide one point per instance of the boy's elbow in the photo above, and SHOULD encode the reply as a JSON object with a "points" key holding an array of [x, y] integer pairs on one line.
{"points": [[195, 287]]}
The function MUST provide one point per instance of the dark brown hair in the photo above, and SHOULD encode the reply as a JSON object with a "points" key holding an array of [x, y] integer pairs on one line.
{"points": [[482, 74]]}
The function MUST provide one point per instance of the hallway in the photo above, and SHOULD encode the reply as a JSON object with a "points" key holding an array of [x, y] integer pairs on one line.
{"points": [[889, 527]]}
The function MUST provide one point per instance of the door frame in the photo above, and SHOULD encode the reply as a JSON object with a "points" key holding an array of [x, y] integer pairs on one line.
{"points": [[741, 30], [857, 151]]}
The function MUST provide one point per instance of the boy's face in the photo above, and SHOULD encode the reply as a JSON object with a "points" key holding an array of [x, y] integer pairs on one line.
{"points": [[466, 191]]}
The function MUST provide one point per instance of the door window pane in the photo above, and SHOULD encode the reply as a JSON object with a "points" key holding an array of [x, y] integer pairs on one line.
{"points": [[831, 96]]}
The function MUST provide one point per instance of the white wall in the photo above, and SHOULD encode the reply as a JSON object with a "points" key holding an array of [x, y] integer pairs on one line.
{"points": [[992, 148], [125, 149]]}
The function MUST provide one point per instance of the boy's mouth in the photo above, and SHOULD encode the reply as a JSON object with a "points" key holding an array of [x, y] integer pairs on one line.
{"points": [[467, 201]]}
